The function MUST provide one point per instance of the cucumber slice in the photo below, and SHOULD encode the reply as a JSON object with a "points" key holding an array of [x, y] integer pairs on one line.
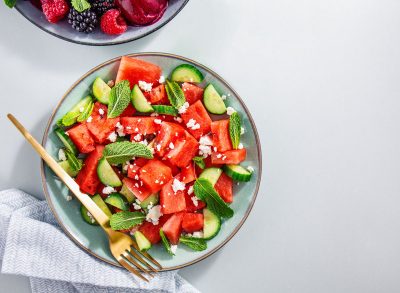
{"points": [[102, 205], [67, 142], [186, 73], [101, 91], [151, 199], [238, 173], [71, 117], [141, 240], [139, 101], [211, 174], [125, 191], [117, 200], [87, 217], [212, 224], [107, 174], [213, 101], [86, 112], [67, 168], [165, 110]]}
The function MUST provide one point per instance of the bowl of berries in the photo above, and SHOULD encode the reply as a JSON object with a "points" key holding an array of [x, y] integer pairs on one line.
{"points": [[99, 22], [165, 147]]}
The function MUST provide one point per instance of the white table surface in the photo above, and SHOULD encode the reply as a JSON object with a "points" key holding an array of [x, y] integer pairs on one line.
{"points": [[321, 79]]}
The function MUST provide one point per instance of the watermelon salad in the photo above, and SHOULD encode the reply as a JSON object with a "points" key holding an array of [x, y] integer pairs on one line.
{"points": [[158, 155]]}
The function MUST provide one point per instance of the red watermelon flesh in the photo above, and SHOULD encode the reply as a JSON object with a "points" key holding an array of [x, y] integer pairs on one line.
{"points": [[129, 111], [87, 178], [188, 174], [172, 228], [155, 174], [152, 232], [192, 222], [190, 204], [141, 125], [133, 70], [192, 92], [158, 96], [183, 151], [137, 188], [101, 127], [170, 201], [229, 157], [169, 133], [81, 137], [220, 135], [133, 171], [199, 114], [224, 187]]}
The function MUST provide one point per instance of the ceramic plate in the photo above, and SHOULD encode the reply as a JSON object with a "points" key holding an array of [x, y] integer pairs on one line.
{"points": [[64, 31], [92, 238]]}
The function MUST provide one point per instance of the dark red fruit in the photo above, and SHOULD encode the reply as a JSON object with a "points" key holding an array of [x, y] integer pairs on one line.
{"points": [[112, 23], [54, 10], [142, 12]]}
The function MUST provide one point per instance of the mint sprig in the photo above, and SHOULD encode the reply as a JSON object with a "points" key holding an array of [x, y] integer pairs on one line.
{"points": [[126, 220], [197, 244], [205, 191], [165, 242], [175, 94], [235, 125], [80, 5], [119, 99], [120, 152], [10, 3], [74, 162], [199, 161]]}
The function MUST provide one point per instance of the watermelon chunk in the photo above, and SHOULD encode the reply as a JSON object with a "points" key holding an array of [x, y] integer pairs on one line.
{"points": [[158, 96], [155, 174], [220, 135], [190, 204], [152, 232], [169, 133], [133, 70], [171, 202], [138, 189], [141, 125], [229, 157], [224, 187], [192, 92], [141, 162], [81, 137], [133, 171], [192, 222], [87, 178], [101, 127], [188, 174], [129, 111], [199, 114], [173, 227], [183, 151]]}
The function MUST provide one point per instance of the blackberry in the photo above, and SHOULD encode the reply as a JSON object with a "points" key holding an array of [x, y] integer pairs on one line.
{"points": [[102, 6], [84, 22]]}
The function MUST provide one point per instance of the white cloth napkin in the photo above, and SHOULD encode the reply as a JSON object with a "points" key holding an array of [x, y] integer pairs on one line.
{"points": [[33, 245]]}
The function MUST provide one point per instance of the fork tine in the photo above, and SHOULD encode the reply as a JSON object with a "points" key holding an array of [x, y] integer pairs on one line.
{"points": [[147, 256], [139, 258], [129, 257], [125, 264]]}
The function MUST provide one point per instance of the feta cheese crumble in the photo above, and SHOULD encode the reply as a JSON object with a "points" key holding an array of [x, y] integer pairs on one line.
{"points": [[158, 147], [101, 111], [195, 200], [81, 109], [157, 121], [61, 155], [178, 185], [136, 206], [250, 168], [205, 146], [137, 137], [171, 146], [241, 130], [154, 215], [69, 198], [183, 108], [112, 137], [90, 118], [173, 248], [162, 79], [230, 111], [178, 119], [240, 146], [198, 234], [120, 129], [192, 124], [91, 217], [190, 190], [223, 97], [145, 86], [108, 190]]}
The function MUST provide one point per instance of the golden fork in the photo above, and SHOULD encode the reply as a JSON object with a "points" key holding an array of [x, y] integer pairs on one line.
{"points": [[123, 247]]}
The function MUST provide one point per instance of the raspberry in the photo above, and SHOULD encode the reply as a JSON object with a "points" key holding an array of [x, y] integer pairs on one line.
{"points": [[54, 10], [112, 23]]}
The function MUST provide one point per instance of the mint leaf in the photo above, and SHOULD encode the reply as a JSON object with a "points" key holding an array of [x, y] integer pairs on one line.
{"points": [[10, 3], [126, 220], [199, 162], [205, 191], [87, 111], [197, 244], [165, 110], [70, 118], [166, 243], [73, 161], [80, 5], [235, 125], [119, 99], [175, 94], [120, 152]]}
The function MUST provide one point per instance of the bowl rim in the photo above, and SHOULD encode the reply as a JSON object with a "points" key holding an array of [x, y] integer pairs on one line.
{"points": [[168, 55], [87, 43]]}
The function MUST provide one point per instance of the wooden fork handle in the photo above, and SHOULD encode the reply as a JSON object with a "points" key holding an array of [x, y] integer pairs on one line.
{"points": [[96, 212]]}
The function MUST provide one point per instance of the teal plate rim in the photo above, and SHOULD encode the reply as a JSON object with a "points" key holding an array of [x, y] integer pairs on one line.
{"points": [[256, 136]]}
